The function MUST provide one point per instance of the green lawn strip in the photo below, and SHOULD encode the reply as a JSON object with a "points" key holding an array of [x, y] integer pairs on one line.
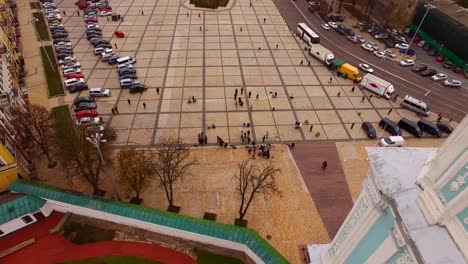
{"points": [[210, 258], [62, 117], [113, 260], [54, 83], [41, 26]]}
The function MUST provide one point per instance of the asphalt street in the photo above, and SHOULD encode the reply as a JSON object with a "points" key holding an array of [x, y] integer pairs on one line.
{"points": [[452, 103]]}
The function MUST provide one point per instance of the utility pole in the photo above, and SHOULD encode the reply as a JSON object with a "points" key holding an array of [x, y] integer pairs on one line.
{"points": [[96, 141], [428, 8]]}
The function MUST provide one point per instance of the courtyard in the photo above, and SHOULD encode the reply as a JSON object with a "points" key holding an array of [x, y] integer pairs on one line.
{"points": [[185, 52]]}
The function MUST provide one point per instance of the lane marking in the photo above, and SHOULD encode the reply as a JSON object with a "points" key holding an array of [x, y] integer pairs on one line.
{"points": [[427, 93]]}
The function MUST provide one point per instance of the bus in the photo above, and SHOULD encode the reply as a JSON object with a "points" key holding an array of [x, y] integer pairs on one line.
{"points": [[307, 34]]}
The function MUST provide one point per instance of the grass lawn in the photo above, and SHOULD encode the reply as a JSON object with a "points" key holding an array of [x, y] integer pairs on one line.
{"points": [[80, 233], [54, 83], [210, 258], [62, 117], [41, 26], [35, 5], [113, 260]]}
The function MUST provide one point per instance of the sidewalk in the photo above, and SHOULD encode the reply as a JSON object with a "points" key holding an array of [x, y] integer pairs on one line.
{"points": [[35, 78]]}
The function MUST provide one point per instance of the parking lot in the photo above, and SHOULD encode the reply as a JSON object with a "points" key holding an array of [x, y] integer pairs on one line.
{"points": [[187, 52]]}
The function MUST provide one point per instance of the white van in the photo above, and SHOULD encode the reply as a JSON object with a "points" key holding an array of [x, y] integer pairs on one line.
{"points": [[98, 92], [73, 81], [125, 60], [393, 141], [415, 105]]}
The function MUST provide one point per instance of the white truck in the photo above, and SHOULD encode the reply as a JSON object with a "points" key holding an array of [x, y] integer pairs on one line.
{"points": [[321, 53], [377, 85]]}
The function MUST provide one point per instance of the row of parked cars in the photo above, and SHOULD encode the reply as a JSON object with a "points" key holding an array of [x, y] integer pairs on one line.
{"points": [[436, 76]]}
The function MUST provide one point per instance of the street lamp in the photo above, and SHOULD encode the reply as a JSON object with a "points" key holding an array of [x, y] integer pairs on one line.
{"points": [[428, 8], [96, 141]]}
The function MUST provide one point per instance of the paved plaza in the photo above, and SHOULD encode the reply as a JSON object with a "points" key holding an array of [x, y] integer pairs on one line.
{"points": [[187, 52]]}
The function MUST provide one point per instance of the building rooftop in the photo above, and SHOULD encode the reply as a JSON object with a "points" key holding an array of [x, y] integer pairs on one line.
{"points": [[395, 171], [453, 10]]}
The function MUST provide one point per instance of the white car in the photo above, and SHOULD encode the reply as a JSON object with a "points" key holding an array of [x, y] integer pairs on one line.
{"points": [[439, 77], [379, 54], [105, 13], [71, 65], [374, 46], [326, 26], [67, 60], [452, 83], [332, 24], [67, 44], [71, 70], [88, 121], [421, 43], [402, 46], [390, 53], [366, 68], [92, 26], [99, 92], [367, 47], [392, 141], [407, 62], [361, 39], [73, 81]]}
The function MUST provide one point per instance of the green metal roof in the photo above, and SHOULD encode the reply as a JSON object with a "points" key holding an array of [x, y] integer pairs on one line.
{"points": [[337, 62], [232, 233], [19, 207]]}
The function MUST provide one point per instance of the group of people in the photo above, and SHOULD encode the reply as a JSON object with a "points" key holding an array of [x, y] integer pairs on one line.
{"points": [[245, 137], [221, 142], [115, 110], [263, 150], [202, 138], [192, 100]]}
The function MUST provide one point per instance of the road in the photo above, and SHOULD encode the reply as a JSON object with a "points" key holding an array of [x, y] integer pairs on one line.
{"points": [[448, 101]]}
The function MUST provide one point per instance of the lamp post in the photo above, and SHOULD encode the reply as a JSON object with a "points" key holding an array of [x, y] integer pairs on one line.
{"points": [[428, 8], [96, 141]]}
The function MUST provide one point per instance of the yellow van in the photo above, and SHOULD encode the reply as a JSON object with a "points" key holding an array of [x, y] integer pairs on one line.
{"points": [[349, 71]]}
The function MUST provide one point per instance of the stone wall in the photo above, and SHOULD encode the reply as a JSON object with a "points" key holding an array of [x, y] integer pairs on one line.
{"points": [[398, 13]]}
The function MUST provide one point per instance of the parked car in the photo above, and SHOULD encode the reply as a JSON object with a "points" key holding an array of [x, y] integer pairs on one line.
{"points": [[71, 65], [390, 126], [419, 67], [73, 81], [326, 26], [88, 121], [83, 99], [421, 43], [349, 32], [119, 33], [407, 62], [379, 54], [440, 58], [432, 53], [409, 52], [410, 127], [99, 92], [112, 59], [395, 141], [374, 45], [369, 130], [125, 71], [67, 60], [77, 87], [75, 75], [390, 53], [125, 83], [105, 13], [128, 76], [452, 83], [444, 127], [71, 70], [448, 64], [429, 127], [333, 24], [353, 39], [84, 106], [86, 113], [428, 72], [137, 88], [439, 77], [366, 67], [402, 46], [367, 47]]}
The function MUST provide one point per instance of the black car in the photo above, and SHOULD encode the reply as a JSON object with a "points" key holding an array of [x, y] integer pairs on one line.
{"points": [[426, 47], [429, 127], [410, 126], [341, 31], [390, 126], [432, 53], [428, 72], [125, 71], [323, 16], [419, 67], [89, 37], [112, 60], [90, 31], [59, 35], [62, 49], [447, 64], [56, 27], [77, 87], [62, 56], [94, 33], [101, 41], [137, 88], [444, 127], [104, 45], [95, 40], [55, 41], [369, 130], [349, 32], [83, 99], [84, 106], [128, 76]]}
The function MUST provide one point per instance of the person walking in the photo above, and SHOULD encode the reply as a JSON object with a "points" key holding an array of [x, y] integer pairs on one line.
{"points": [[263, 139], [250, 94], [276, 46], [339, 94], [256, 97], [115, 45], [129, 102], [64, 13], [276, 94], [242, 90], [389, 111], [116, 110], [264, 20], [144, 105], [362, 99], [352, 125], [352, 89], [78, 13], [113, 110], [302, 62], [142, 13], [157, 90], [324, 165], [370, 96], [330, 80], [311, 127], [121, 18]]}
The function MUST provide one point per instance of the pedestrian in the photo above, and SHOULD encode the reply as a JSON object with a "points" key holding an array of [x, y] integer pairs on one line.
{"points": [[128, 100], [187, 14], [248, 140], [78, 13], [330, 80], [263, 139], [115, 45], [311, 127], [324, 165], [113, 110], [118, 16], [116, 110], [362, 99], [157, 90], [395, 97], [339, 94], [450, 120], [248, 132], [142, 13], [200, 28], [256, 97], [352, 125], [193, 99], [144, 105], [352, 89], [439, 118], [250, 4], [276, 94], [370, 96], [205, 139], [242, 90], [198, 14], [439, 114], [276, 46], [264, 20], [235, 97], [389, 111], [292, 145], [240, 29], [259, 48], [64, 13], [235, 102], [250, 93], [267, 135], [121, 18], [302, 62], [107, 19], [308, 62]]}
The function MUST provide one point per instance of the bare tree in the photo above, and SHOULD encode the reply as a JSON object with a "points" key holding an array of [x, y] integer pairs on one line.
{"points": [[171, 163], [38, 124], [77, 152], [135, 169], [253, 180]]}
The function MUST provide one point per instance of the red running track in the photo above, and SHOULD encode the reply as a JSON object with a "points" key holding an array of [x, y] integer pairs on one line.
{"points": [[55, 248]]}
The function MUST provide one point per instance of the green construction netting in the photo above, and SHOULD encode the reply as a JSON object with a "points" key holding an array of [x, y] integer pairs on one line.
{"points": [[237, 234], [19, 207]]}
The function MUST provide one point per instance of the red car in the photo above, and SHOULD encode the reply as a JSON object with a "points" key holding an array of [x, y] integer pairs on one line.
{"points": [[440, 58], [105, 9], [119, 34], [86, 113], [83, 6], [90, 20], [81, 2], [75, 75]]}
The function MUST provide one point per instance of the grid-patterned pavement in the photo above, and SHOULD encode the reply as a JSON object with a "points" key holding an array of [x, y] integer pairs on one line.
{"points": [[189, 52]]}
